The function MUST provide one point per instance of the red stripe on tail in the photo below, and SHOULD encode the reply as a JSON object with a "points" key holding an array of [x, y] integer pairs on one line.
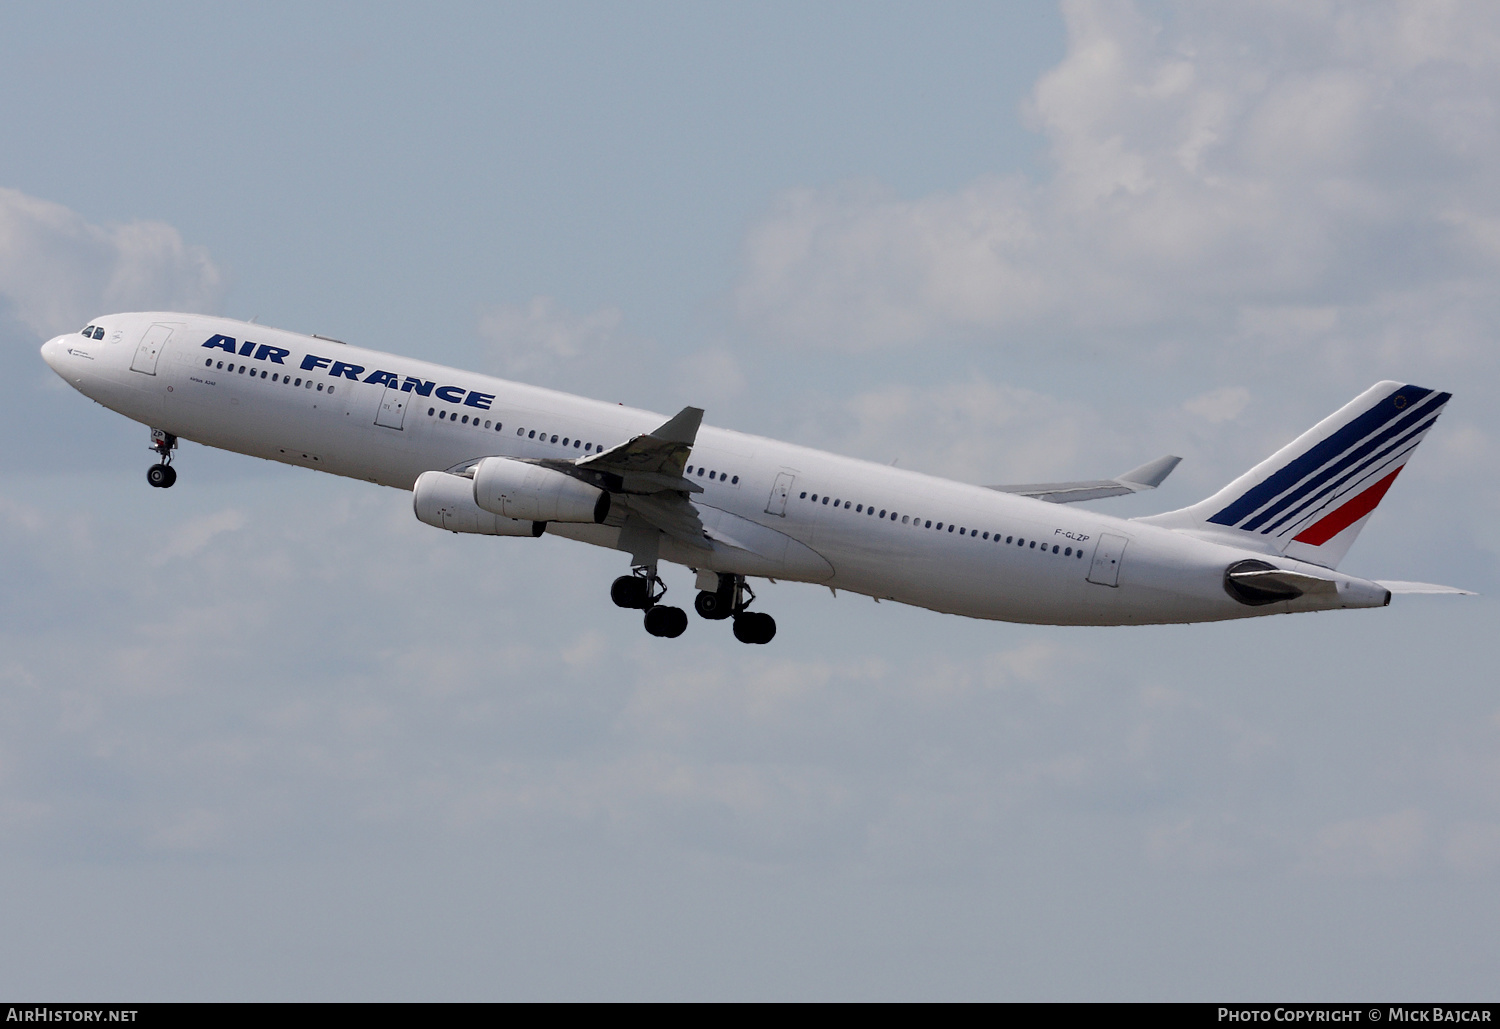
{"points": [[1336, 521]]}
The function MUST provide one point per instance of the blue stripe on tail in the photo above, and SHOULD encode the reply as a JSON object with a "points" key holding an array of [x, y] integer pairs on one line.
{"points": [[1319, 454]]}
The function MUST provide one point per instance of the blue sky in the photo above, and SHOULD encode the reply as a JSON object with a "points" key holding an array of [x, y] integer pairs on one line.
{"points": [[265, 736]]}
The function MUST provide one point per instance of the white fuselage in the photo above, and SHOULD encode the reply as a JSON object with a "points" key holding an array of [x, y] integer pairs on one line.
{"points": [[370, 415]]}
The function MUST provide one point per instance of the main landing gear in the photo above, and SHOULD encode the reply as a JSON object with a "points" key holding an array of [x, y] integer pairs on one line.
{"points": [[642, 590], [730, 600], [162, 474]]}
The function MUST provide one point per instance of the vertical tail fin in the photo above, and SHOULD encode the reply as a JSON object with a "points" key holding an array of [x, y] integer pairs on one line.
{"points": [[1310, 499]]}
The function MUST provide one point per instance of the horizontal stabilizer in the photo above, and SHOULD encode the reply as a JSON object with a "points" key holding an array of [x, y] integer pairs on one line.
{"points": [[1396, 586], [1148, 476]]}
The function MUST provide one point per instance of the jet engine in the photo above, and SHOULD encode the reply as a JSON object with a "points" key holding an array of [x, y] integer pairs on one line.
{"points": [[515, 489], [447, 501]]}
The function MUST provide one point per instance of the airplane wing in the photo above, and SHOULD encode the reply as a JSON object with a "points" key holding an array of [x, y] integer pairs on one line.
{"points": [[652, 462], [646, 473], [1148, 476]]}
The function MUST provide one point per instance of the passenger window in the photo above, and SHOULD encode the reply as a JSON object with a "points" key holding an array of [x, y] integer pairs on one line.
{"points": [[825, 501], [466, 419], [734, 481], [803, 496], [565, 441], [575, 444], [927, 525], [587, 447], [431, 411], [1068, 552], [209, 363], [299, 380], [836, 502], [1033, 544], [531, 434], [554, 439], [320, 387], [903, 519], [1054, 548], [814, 498]]}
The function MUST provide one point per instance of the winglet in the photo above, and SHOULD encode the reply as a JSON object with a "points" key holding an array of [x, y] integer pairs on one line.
{"points": [[1151, 474], [682, 427]]}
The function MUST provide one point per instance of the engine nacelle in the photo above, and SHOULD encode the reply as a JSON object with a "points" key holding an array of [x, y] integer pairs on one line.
{"points": [[515, 489], [447, 501]]}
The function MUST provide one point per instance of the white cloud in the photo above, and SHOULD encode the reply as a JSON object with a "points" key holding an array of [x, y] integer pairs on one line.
{"points": [[1384, 845], [1328, 161], [1219, 405], [57, 269]]}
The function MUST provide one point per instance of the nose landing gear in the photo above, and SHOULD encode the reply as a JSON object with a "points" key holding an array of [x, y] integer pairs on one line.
{"points": [[162, 474]]}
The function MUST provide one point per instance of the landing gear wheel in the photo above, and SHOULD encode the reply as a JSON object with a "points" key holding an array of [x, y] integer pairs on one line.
{"points": [[712, 605], [161, 475], [631, 591], [754, 627], [670, 622]]}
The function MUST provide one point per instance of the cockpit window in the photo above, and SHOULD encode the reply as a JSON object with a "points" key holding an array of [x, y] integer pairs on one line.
{"points": [[98, 332], [88, 332]]}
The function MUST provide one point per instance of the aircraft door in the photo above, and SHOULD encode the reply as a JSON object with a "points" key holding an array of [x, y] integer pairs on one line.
{"points": [[392, 412], [1107, 554], [779, 492], [149, 350]]}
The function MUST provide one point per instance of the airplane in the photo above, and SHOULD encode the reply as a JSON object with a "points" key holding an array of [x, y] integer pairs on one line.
{"points": [[488, 456]]}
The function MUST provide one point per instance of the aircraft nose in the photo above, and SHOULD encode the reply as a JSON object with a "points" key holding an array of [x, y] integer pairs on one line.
{"points": [[52, 353]]}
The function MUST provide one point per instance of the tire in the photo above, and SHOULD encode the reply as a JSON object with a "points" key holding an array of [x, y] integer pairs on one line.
{"points": [[668, 622], [630, 591], [157, 476], [753, 627], [171, 477], [711, 605]]}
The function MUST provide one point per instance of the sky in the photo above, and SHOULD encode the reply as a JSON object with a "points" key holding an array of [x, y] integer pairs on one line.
{"points": [[264, 736]]}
